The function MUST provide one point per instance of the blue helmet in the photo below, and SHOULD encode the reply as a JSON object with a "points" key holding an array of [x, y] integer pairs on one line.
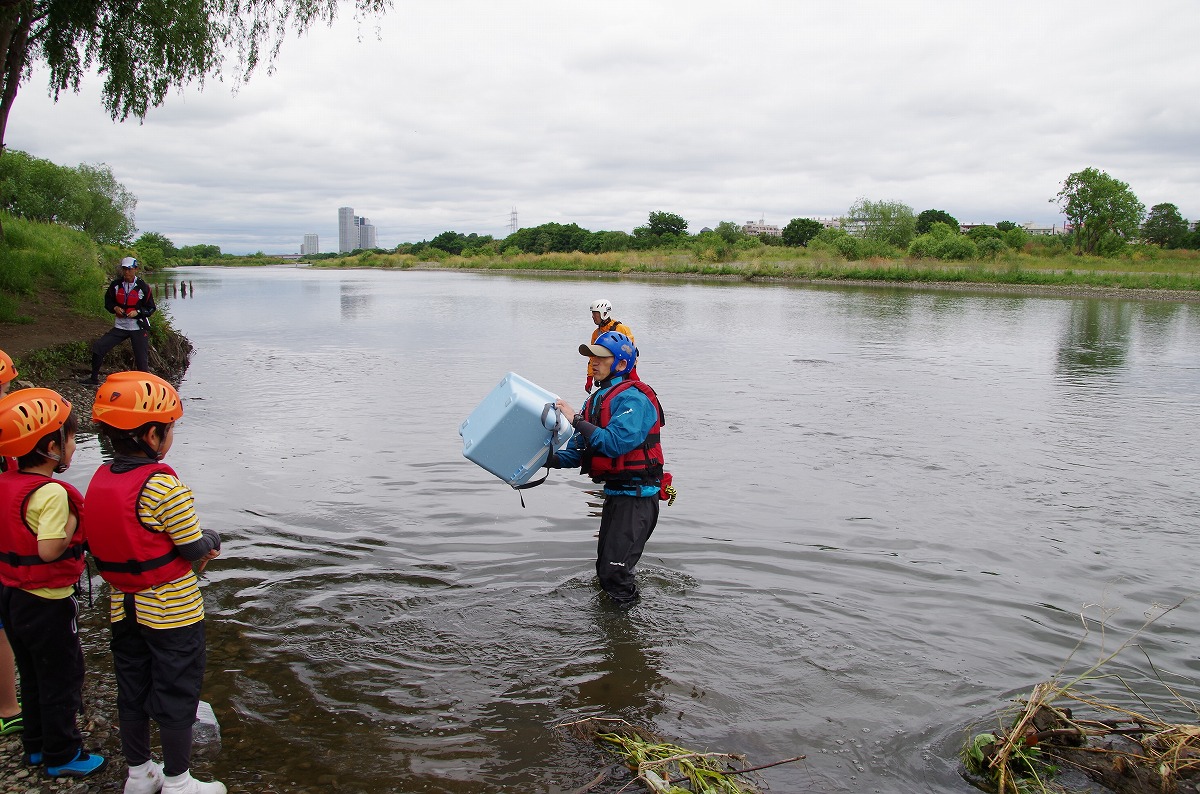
{"points": [[621, 348]]}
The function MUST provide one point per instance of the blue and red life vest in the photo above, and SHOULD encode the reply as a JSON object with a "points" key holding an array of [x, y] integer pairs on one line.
{"points": [[644, 463], [20, 564], [130, 556]]}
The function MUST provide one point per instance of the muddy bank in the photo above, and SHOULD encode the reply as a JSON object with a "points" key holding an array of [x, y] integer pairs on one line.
{"points": [[65, 365]]}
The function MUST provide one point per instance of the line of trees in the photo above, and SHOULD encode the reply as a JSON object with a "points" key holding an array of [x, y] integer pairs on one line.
{"points": [[86, 197], [1103, 215]]}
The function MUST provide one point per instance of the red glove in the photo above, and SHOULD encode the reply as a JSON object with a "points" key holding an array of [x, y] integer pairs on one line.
{"points": [[587, 387]]}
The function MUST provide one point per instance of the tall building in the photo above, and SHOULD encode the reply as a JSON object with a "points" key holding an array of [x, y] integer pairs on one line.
{"points": [[347, 233], [310, 245], [353, 231], [366, 233]]}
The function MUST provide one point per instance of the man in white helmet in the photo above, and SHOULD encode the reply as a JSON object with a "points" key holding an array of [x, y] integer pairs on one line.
{"points": [[602, 317]]}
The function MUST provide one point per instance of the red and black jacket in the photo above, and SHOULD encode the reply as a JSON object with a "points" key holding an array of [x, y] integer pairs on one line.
{"points": [[141, 297], [20, 564], [641, 465], [130, 556]]}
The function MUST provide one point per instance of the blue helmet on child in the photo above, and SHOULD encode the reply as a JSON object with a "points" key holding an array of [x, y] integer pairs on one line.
{"points": [[619, 346]]}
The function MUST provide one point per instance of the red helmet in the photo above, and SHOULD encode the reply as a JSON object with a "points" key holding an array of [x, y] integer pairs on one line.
{"points": [[7, 371], [26, 416], [128, 400]]}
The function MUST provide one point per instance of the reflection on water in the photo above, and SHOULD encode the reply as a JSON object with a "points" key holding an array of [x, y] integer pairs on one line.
{"points": [[893, 506], [356, 300], [1096, 338]]}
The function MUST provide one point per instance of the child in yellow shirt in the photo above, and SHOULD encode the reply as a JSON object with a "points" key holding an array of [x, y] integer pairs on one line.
{"points": [[41, 559], [144, 536]]}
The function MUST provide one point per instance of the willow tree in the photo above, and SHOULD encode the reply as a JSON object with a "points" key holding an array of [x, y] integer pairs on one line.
{"points": [[145, 48]]}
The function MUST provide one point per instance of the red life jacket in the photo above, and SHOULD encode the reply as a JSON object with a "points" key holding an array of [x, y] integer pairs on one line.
{"points": [[127, 300], [130, 556], [644, 463], [20, 564]]}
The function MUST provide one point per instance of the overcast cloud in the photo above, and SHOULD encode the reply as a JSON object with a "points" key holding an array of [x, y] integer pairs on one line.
{"points": [[599, 113]]}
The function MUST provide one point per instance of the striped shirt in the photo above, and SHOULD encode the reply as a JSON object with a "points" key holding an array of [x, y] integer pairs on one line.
{"points": [[166, 505]]}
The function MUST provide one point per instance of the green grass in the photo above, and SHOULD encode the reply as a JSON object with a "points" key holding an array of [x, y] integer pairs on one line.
{"points": [[1042, 264], [43, 366], [36, 256]]}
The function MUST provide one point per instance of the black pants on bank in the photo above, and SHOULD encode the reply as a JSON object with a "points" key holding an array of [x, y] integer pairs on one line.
{"points": [[44, 636], [140, 339], [626, 523], [159, 676]]}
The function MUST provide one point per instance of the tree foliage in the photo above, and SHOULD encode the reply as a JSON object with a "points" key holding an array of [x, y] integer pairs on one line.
{"points": [[154, 250], [889, 222], [87, 197], [549, 238], [983, 232], [1103, 211], [1164, 226], [929, 217], [202, 252], [146, 48], [663, 223], [729, 231], [800, 230]]}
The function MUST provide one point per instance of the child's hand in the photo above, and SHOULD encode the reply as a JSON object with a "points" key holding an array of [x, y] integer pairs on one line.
{"points": [[204, 560], [119, 311]]}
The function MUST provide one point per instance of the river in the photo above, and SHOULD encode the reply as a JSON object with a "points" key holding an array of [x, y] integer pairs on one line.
{"points": [[894, 508]]}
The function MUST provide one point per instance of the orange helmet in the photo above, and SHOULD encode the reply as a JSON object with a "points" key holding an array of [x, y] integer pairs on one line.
{"points": [[26, 416], [128, 400], [7, 370]]}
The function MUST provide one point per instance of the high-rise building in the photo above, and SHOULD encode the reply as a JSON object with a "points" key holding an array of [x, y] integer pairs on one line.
{"points": [[353, 231], [347, 233], [310, 245], [366, 233]]}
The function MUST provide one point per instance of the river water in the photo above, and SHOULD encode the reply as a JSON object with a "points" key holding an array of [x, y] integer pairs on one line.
{"points": [[894, 507]]}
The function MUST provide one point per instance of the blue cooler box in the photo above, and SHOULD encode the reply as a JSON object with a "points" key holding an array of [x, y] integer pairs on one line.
{"points": [[511, 431]]}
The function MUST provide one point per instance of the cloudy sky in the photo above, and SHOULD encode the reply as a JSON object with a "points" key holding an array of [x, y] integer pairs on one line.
{"points": [[449, 114]]}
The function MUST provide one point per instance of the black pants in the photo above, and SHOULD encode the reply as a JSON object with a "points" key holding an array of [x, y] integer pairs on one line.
{"points": [[44, 636], [626, 523], [140, 339], [159, 676]]}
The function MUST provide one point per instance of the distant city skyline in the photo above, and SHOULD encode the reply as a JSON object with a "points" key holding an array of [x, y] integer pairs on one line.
{"points": [[353, 231]]}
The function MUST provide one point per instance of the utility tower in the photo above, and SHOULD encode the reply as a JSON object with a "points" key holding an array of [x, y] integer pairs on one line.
{"points": [[512, 221]]}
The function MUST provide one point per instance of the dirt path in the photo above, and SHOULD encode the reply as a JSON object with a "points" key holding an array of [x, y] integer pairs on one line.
{"points": [[55, 323]]}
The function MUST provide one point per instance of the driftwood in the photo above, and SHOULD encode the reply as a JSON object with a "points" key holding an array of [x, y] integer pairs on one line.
{"points": [[1128, 755]]}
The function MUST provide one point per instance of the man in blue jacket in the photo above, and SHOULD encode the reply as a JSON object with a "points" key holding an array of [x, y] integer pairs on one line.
{"points": [[617, 443]]}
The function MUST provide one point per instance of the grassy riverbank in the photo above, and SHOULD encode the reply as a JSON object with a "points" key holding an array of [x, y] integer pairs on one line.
{"points": [[52, 282], [1140, 269]]}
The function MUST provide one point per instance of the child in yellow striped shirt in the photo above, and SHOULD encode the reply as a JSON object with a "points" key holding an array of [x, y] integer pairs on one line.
{"points": [[145, 538]]}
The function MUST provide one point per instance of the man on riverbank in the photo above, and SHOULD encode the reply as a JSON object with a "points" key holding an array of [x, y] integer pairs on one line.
{"points": [[132, 302], [617, 443]]}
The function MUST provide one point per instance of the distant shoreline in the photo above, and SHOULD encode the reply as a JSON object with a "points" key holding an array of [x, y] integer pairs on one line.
{"points": [[999, 288]]}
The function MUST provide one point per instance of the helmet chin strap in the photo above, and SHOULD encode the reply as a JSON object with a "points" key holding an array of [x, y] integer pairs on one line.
{"points": [[150, 451], [62, 444]]}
